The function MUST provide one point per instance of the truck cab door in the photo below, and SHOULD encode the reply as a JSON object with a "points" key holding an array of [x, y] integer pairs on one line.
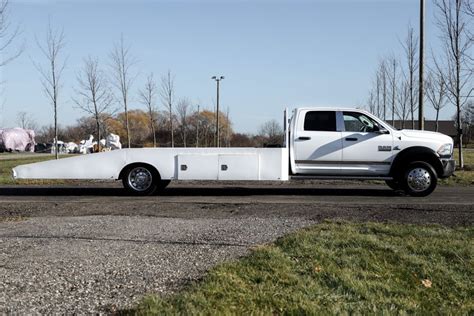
{"points": [[317, 143], [367, 146]]}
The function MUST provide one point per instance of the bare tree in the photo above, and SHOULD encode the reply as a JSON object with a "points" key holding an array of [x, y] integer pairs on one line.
{"points": [[378, 87], [167, 97], [94, 94], [25, 121], [51, 75], [453, 24], [436, 92], [148, 98], [8, 35], [410, 46], [122, 63], [392, 78], [382, 89], [372, 102], [182, 109], [467, 120], [469, 10], [228, 128], [383, 73], [272, 131], [198, 123], [403, 102], [377, 103]]}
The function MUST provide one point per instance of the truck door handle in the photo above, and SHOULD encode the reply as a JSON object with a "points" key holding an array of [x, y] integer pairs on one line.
{"points": [[351, 139], [304, 138]]}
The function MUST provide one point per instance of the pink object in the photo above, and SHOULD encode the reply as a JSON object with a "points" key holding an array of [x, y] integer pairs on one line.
{"points": [[17, 139]]}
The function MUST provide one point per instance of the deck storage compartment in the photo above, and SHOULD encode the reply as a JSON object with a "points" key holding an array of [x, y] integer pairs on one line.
{"points": [[197, 167], [218, 167], [238, 167]]}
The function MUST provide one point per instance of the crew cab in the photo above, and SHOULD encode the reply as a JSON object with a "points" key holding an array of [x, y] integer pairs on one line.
{"points": [[322, 143]]}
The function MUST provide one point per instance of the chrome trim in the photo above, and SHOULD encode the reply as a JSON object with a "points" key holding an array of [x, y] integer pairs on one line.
{"points": [[419, 179], [323, 162], [336, 177]]}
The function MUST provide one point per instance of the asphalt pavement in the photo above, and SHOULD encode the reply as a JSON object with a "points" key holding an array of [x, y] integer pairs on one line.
{"points": [[235, 192]]}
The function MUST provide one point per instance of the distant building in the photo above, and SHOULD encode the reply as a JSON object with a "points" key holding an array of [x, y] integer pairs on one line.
{"points": [[444, 127]]}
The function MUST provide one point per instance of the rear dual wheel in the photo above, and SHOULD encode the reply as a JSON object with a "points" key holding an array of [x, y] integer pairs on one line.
{"points": [[142, 180]]}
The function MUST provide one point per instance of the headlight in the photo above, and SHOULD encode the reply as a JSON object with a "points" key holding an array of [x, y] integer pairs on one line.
{"points": [[445, 150]]}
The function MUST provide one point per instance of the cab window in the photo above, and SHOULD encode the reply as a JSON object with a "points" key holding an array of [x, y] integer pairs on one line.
{"points": [[320, 121], [359, 122]]}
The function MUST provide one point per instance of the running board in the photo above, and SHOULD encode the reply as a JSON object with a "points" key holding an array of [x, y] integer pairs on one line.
{"points": [[313, 177]]}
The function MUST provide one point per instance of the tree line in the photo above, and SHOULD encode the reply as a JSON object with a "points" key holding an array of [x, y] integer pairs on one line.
{"points": [[449, 76], [195, 129]]}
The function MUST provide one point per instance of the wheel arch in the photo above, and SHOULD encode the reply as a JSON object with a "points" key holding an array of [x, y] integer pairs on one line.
{"points": [[416, 153], [138, 164]]}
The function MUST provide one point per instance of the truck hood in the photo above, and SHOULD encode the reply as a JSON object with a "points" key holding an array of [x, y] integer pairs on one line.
{"points": [[411, 133]]}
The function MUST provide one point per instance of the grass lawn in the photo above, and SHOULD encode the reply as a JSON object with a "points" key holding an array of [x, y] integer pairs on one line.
{"points": [[339, 268], [462, 177], [9, 161]]}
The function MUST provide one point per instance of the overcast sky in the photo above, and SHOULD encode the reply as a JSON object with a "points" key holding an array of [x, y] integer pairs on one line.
{"points": [[274, 54]]}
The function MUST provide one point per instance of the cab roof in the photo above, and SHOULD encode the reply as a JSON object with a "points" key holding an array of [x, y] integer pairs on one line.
{"points": [[329, 108]]}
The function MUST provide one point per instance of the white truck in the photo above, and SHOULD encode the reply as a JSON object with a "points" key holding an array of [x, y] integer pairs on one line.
{"points": [[322, 143]]}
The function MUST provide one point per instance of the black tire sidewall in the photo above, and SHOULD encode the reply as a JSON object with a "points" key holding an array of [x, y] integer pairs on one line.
{"points": [[430, 169], [393, 184], [162, 184]]}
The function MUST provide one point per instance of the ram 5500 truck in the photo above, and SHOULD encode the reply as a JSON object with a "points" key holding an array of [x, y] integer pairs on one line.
{"points": [[322, 143]]}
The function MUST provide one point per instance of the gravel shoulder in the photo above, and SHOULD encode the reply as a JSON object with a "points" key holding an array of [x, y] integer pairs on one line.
{"points": [[92, 252], [90, 264]]}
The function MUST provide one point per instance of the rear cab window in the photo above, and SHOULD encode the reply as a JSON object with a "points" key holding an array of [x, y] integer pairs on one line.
{"points": [[323, 121]]}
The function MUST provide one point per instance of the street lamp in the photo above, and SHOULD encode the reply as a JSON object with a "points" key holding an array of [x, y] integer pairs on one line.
{"points": [[218, 80], [421, 115]]}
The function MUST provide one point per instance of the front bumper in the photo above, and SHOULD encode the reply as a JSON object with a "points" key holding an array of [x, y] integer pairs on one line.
{"points": [[449, 165]]}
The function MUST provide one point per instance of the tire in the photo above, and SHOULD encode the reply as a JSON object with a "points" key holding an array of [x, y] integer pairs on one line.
{"points": [[141, 180], [162, 184], [393, 184], [419, 179]]}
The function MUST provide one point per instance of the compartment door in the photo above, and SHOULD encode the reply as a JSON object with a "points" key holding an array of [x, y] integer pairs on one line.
{"points": [[239, 167], [197, 167]]}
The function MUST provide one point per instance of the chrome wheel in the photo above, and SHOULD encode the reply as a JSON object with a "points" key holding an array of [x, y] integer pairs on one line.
{"points": [[140, 179], [419, 179]]}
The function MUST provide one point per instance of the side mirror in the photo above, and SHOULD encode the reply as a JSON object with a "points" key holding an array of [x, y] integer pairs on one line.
{"points": [[383, 131]]}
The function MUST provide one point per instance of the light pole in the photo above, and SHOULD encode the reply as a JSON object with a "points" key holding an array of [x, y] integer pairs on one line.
{"points": [[218, 80], [421, 116]]}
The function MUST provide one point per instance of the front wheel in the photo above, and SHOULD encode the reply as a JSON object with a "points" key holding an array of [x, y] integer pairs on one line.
{"points": [[141, 180], [419, 179]]}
